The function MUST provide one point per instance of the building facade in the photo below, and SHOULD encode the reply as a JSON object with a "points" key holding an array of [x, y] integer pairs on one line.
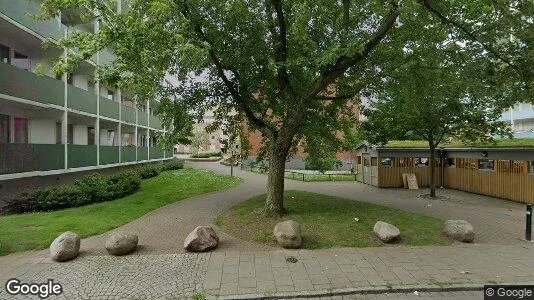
{"points": [[521, 119], [75, 123]]}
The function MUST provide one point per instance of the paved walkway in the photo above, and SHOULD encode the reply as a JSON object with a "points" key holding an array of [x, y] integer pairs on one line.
{"points": [[162, 270]]}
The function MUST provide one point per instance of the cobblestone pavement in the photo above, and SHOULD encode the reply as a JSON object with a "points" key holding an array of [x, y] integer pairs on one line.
{"points": [[469, 295], [160, 269]]}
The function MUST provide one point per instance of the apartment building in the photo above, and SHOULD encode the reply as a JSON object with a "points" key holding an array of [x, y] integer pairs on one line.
{"points": [[521, 119], [75, 123]]}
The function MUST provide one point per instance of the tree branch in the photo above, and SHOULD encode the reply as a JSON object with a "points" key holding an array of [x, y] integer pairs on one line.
{"points": [[428, 5], [345, 62], [280, 46]]}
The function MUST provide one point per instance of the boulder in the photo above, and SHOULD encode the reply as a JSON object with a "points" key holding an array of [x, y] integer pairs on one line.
{"points": [[386, 232], [203, 238], [65, 247], [121, 243], [287, 234], [459, 230]]}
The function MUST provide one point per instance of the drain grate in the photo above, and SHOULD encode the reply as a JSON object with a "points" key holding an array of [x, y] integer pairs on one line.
{"points": [[291, 259]]}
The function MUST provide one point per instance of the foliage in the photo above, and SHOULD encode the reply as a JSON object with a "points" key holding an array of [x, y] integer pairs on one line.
{"points": [[206, 155], [37, 230], [328, 222], [497, 143], [200, 138], [293, 69], [89, 189]]}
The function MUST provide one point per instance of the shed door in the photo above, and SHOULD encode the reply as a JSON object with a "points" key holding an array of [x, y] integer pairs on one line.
{"points": [[367, 169]]}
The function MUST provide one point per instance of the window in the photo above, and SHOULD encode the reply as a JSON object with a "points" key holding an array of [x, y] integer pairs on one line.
{"points": [[111, 95], [21, 61], [366, 161], [4, 129], [4, 55], [387, 161], [21, 131], [70, 134], [404, 162], [530, 167], [466, 163], [421, 161], [359, 160], [374, 161], [450, 162], [486, 164], [212, 137], [90, 135], [58, 133]]}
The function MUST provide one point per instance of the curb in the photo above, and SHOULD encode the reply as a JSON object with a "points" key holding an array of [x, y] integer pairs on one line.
{"points": [[362, 290]]}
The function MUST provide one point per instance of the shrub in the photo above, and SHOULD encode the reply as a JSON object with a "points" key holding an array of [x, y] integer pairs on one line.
{"points": [[147, 171], [206, 155], [173, 164], [95, 186], [124, 184]]}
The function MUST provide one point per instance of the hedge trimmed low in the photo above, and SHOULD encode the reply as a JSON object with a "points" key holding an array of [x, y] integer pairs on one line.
{"points": [[206, 155], [89, 189]]}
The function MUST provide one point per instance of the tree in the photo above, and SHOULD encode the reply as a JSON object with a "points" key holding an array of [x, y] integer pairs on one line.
{"points": [[435, 99], [272, 60], [199, 139]]}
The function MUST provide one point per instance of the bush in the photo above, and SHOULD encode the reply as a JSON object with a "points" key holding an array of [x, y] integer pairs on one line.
{"points": [[124, 184], [206, 155], [173, 164], [147, 171]]}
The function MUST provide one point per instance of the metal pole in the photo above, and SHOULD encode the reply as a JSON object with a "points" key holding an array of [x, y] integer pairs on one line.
{"points": [[232, 163], [528, 229]]}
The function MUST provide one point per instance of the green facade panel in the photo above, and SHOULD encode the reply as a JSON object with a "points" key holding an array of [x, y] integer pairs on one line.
{"points": [[142, 153], [128, 114], [155, 122], [109, 108], [142, 118], [19, 158], [30, 86], [127, 153], [81, 100], [22, 12], [109, 155], [81, 156], [156, 153]]}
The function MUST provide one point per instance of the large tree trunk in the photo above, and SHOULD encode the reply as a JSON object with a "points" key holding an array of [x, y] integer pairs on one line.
{"points": [[274, 204], [432, 170]]}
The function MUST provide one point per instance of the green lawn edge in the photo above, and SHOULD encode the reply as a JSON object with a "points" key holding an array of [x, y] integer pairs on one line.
{"points": [[36, 231], [328, 222]]}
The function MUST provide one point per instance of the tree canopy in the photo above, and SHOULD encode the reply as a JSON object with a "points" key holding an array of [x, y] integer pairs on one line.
{"points": [[292, 69]]}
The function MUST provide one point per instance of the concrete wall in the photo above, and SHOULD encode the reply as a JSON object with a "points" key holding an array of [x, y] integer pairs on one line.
{"points": [[42, 131]]}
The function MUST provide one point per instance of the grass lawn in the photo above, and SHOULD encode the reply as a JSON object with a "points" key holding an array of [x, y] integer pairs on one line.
{"points": [[329, 222], [38, 230]]}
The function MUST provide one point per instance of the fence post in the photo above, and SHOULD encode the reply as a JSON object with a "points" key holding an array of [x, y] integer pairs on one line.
{"points": [[528, 229]]}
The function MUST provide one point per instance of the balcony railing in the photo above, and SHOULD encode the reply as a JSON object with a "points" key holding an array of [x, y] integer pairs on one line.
{"points": [[156, 153], [109, 155], [106, 57], [128, 114], [22, 12], [142, 118], [27, 85], [155, 123], [142, 153], [81, 100], [18, 158], [81, 156], [109, 108], [127, 153]]}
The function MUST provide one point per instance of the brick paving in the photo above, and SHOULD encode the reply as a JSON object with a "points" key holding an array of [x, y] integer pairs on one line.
{"points": [[160, 269]]}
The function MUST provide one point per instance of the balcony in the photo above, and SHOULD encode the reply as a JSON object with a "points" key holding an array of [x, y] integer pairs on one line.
{"points": [[156, 153], [142, 153], [128, 114], [81, 100], [109, 155], [30, 86], [81, 156], [18, 158], [109, 108], [127, 153], [106, 57], [155, 122], [21, 11], [142, 118]]}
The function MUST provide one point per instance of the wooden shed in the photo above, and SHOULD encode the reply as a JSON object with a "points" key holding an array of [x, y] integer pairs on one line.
{"points": [[499, 172]]}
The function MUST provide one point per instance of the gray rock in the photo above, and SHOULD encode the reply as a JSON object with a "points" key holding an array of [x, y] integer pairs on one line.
{"points": [[287, 234], [203, 238], [121, 243], [459, 230], [386, 232], [65, 247]]}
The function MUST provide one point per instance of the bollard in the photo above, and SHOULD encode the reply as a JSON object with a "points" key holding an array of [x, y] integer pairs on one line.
{"points": [[528, 229]]}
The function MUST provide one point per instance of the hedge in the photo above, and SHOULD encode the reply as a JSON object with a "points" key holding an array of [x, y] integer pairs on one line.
{"points": [[206, 155], [89, 189]]}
